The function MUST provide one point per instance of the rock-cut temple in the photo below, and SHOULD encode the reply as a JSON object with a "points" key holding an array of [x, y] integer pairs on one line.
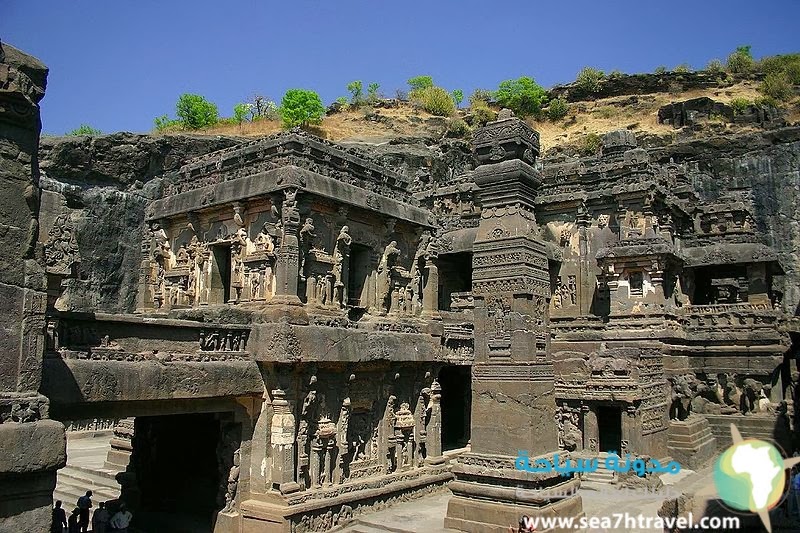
{"points": [[316, 336]]}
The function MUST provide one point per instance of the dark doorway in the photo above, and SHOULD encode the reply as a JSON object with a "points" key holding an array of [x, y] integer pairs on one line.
{"points": [[609, 421], [357, 273], [220, 275], [456, 405], [177, 472], [455, 275]]}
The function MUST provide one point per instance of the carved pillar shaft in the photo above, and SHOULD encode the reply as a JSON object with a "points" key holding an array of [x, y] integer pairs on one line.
{"points": [[282, 440], [430, 290], [434, 431], [288, 262]]}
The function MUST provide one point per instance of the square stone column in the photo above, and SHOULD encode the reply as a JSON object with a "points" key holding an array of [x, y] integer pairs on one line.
{"points": [[32, 448], [513, 404]]}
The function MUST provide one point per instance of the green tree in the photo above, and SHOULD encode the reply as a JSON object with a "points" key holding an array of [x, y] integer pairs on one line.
{"points": [[356, 90], [523, 96], [300, 107], [240, 112], [372, 91], [85, 129], [741, 61], [417, 83], [195, 112], [458, 96]]}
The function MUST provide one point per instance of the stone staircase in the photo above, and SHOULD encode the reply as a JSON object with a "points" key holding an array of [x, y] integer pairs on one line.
{"points": [[602, 475], [74, 481]]}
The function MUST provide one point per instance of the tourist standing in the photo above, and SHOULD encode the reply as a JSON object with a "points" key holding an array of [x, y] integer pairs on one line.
{"points": [[121, 520], [84, 504], [72, 524], [59, 519], [100, 519]]}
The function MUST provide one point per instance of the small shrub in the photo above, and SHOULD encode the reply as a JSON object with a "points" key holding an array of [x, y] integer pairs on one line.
{"points": [[372, 92], [434, 100], [715, 66], [606, 111], [674, 88], [741, 61], [683, 68], [788, 64], [356, 90], [615, 74], [589, 80], [523, 96], [85, 129], [401, 95], [660, 70], [418, 83], [557, 109], [301, 107], [481, 95], [590, 144], [262, 108], [458, 96], [740, 105], [766, 101], [240, 112], [777, 86], [196, 112], [482, 113], [164, 123], [457, 128], [342, 102]]}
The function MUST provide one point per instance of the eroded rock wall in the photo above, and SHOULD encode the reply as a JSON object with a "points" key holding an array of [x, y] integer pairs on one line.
{"points": [[100, 186], [763, 167]]}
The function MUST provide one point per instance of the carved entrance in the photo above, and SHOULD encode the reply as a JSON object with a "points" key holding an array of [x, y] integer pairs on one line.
{"points": [[609, 421], [456, 402], [220, 274]]}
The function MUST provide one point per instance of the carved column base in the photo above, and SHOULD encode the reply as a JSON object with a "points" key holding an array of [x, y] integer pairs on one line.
{"points": [[489, 494]]}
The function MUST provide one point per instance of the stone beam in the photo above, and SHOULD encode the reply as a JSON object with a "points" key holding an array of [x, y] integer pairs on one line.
{"points": [[271, 181]]}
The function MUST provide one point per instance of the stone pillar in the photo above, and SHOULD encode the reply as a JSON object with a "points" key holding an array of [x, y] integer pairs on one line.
{"points": [[513, 406], [434, 430], [282, 441], [287, 270], [32, 448], [757, 287], [430, 290]]}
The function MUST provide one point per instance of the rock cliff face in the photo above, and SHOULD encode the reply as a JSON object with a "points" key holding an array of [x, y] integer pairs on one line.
{"points": [[104, 182], [763, 167], [99, 186]]}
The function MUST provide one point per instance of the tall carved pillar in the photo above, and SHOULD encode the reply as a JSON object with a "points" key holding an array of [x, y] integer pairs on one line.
{"points": [[430, 290], [287, 270], [513, 404], [32, 447], [434, 430], [282, 441]]}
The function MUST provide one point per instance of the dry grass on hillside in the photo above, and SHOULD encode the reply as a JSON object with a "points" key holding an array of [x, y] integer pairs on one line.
{"points": [[637, 113], [364, 124]]}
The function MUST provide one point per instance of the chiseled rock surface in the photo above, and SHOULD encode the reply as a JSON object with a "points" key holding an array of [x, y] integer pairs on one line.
{"points": [[102, 184]]}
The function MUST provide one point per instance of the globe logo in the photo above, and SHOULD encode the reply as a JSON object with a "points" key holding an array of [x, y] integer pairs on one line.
{"points": [[749, 476]]}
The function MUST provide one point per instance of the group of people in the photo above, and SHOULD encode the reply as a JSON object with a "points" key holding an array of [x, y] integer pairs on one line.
{"points": [[102, 519]]}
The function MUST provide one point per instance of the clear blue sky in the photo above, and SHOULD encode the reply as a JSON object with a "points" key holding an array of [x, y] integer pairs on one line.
{"points": [[118, 64]]}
